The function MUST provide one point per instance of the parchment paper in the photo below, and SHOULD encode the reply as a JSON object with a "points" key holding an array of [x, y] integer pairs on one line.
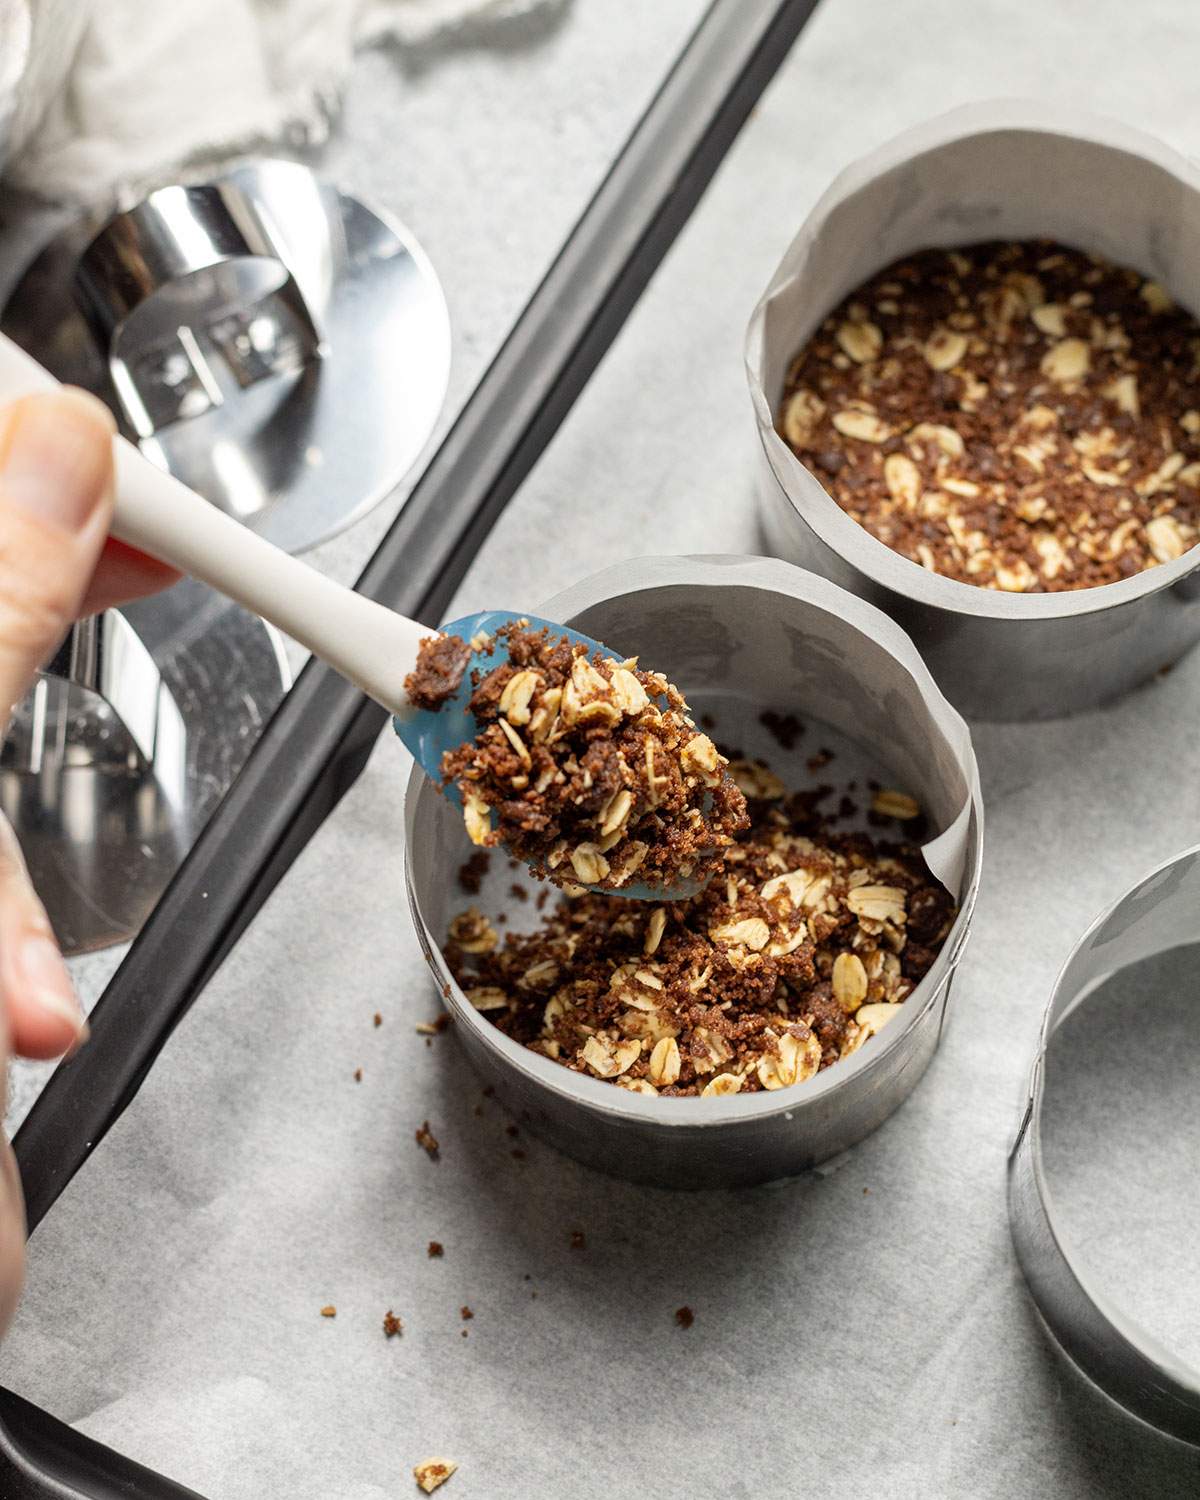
{"points": [[846, 1343]]}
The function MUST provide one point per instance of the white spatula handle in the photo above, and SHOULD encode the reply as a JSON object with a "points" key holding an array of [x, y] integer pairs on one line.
{"points": [[372, 646]]}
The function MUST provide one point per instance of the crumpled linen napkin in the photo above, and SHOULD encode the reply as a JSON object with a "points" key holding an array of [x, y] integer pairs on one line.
{"points": [[95, 93]]}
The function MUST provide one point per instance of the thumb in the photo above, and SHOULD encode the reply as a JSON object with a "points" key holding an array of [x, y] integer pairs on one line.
{"points": [[56, 483]]}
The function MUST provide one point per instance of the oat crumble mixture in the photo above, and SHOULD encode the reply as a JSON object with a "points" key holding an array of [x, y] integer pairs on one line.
{"points": [[800, 951], [1020, 416], [590, 770]]}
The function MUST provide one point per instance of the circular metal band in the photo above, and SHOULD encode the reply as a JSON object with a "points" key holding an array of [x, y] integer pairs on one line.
{"points": [[1125, 1361], [169, 236]]}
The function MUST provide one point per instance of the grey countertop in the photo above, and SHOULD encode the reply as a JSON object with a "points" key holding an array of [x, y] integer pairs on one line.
{"points": [[864, 1330]]}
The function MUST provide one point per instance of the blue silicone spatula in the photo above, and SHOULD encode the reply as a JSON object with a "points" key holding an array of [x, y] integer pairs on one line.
{"points": [[372, 646]]}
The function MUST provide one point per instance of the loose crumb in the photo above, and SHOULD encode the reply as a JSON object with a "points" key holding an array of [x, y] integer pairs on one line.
{"points": [[590, 770], [471, 873], [358, 1075], [577, 1240], [518, 1154], [784, 729], [432, 1472], [427, 1141], [466, 1313], [518, 892], [684, 1316], [436, 1250], [329, 1311], [799, 956], [378, 1019], [442, 662], [391, 1324], [1017, 416], [511, 1130], [436, 1026]]}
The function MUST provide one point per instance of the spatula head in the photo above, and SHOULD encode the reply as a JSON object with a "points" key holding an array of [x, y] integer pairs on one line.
{"points": [[429, 735]]}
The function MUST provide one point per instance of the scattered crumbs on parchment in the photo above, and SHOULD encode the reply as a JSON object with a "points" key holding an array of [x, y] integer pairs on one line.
{"points": [[391, 1325], [684, 1316], [577, 1240], [466, 1313], [436, 1250], [519, 892], [358, 1075], [427, 1141], [866, 1191], [329, 1311], [378, 1019], [465, 1333], [436, 1026], [432, 1472]]}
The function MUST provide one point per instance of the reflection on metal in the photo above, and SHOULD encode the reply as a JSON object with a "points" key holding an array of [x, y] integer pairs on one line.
{"points": [[283, 350], [1127, 1363], [269, 340], [125, 745]]}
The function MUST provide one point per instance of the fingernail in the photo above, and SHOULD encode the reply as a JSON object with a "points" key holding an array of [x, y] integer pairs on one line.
{"points": [[49, 985], [57, 457]]}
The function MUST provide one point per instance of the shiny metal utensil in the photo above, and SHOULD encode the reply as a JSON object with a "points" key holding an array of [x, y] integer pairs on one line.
{"points": [[127, 741], [276, 344], [372, 646]]}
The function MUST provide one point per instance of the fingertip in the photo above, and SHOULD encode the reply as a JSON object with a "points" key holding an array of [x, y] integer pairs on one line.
{"points": [[44, 1015], [85, 406], [56, 458]]}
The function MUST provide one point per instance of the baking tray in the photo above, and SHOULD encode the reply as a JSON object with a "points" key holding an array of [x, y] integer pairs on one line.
{"points": [[318, 742]]}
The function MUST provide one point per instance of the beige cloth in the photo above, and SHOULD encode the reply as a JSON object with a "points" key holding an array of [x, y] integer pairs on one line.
{"points": [[152, 83]]}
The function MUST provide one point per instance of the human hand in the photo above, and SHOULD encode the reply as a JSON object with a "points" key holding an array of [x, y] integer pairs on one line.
{"points": [[56, 563]]}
